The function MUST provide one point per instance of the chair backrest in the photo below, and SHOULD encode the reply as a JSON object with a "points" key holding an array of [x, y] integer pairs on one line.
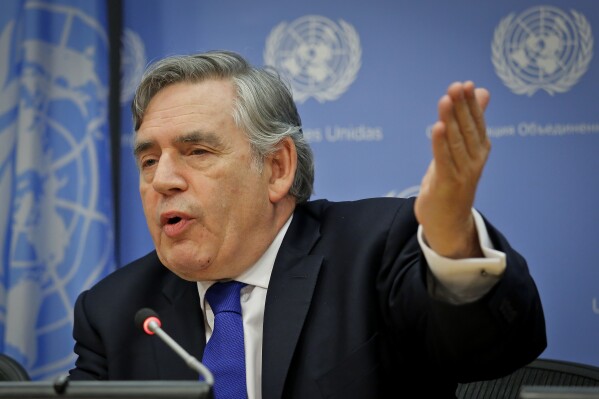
{"points": [[11, 370], [541, 372]]}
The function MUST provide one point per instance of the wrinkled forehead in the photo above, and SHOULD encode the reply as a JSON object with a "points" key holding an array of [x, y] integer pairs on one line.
{"points": [[147, 92], [208, 100]]}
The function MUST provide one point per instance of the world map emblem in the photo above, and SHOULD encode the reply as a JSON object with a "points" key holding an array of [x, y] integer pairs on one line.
{"points": [[56, 214], [543, 48], [320, 58]]}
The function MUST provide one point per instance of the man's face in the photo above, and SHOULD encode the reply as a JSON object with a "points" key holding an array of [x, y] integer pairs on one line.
{"points": [[206, 204]]}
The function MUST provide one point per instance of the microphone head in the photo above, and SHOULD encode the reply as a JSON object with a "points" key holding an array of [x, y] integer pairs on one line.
{"points": [[143, 317]]}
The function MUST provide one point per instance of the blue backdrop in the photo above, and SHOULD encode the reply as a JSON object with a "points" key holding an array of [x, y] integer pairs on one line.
{"points": [[367, 77], [370, 73]]}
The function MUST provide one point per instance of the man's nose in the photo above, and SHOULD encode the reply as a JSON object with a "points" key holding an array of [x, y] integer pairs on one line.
{"points": [[168, 177]]}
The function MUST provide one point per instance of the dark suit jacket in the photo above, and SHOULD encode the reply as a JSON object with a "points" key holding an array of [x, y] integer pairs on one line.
{"points": [[347, 315]]}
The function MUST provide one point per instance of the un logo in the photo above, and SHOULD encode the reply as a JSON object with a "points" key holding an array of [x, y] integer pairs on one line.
{"points": [[56, 214], [320, 58], [543, 48]]}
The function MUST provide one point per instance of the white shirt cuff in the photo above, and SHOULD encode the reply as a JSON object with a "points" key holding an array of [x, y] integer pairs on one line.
{"points": [[464, 280]]}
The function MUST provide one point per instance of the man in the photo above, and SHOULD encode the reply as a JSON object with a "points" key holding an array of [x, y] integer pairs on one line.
{"points": [[352, 299]]}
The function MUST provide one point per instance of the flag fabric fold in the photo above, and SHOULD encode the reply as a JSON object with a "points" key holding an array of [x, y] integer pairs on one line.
{"points": [[56, 214]]}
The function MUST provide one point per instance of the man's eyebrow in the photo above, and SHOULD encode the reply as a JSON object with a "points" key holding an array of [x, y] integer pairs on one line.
{"points": [[142, 146], [196, 137]]}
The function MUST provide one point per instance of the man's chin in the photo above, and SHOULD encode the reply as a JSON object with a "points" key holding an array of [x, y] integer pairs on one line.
{"points": [[201, 273], [187, 268]]}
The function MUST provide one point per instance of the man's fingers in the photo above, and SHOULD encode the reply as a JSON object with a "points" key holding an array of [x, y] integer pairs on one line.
{"points": [[478, 100], [456, 143], [483, 97], [441, 150], [465, 109]]}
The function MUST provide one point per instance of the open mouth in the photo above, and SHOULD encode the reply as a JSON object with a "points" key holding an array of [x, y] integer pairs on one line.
{"points": [[175, 225], [173, 220]]}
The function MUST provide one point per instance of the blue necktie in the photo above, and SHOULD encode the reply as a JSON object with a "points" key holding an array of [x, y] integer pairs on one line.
{"points": [[224, 354]]}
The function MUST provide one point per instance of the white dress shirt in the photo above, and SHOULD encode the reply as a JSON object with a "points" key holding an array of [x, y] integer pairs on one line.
{"points": [[457, 281]]}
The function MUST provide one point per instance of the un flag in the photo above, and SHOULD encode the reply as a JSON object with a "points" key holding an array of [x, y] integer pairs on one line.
{"points": [[56, 230]]}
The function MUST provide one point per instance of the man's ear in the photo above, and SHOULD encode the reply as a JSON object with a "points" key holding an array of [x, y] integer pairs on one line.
{"points": [[282, 164]]}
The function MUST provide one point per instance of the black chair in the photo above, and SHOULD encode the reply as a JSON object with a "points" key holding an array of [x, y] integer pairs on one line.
{"points": [[11, 370], [541, 372]]}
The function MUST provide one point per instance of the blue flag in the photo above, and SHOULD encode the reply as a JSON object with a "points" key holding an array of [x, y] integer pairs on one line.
{"points": [[56, 230]]}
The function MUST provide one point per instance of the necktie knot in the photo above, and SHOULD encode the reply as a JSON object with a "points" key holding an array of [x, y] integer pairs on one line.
{"points": [[224, 297]]}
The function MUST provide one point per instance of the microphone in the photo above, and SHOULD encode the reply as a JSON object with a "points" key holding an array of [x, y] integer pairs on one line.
{"points": [[148, 320]]}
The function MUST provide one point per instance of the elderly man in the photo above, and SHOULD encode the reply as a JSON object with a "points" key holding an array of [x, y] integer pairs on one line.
{"points": [[333, 299]]}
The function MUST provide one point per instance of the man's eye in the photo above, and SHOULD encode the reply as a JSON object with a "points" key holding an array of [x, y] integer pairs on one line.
{"points": [[198, 151], [148, 163]]}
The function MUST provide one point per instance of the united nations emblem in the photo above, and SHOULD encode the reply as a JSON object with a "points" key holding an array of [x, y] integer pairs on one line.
{"points": [[319, 57], [543, 48], [56, 235]]}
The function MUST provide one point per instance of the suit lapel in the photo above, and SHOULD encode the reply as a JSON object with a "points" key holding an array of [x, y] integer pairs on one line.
{"points": [[182, 319], [289, 295]]}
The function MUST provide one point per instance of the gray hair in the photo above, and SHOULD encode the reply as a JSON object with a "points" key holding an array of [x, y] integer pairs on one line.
{"points": [[264, 106]]}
